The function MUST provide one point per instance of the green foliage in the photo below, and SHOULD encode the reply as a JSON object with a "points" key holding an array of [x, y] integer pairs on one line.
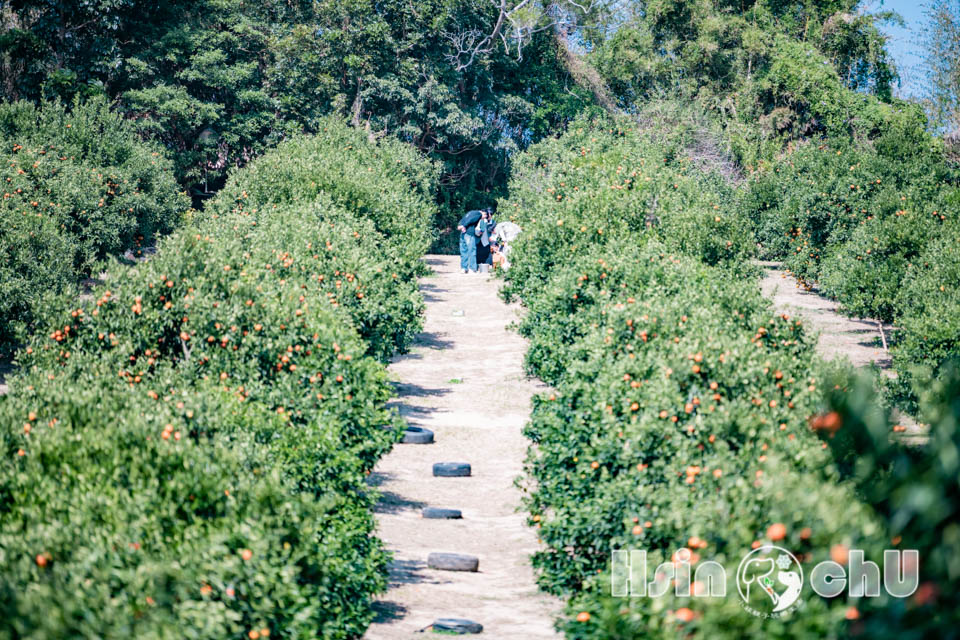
{"points": [[915, 491], [78, 186], [679, 415], [851, 190], [388, 183], [929, 304], [355, 216], [220, 81], [847, 185], [873, 227], [712, 50], [185, 453], [941, 44], [769, 72], [604, 179]]}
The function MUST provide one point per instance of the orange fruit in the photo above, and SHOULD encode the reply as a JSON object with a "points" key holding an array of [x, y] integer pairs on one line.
{"points": [[583, 616], [777, 531], [839, 553], [684, 614]]}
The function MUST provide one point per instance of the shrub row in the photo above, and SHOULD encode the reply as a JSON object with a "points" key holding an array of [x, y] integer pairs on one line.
{"points": [[875, 228], [78, 186], [375, 203], [679, 415], [184, 454], [915, 491]]}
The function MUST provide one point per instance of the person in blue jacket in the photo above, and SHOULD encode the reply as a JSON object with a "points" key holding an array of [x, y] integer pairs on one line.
{"points": [[468, 240], [485, 229]]}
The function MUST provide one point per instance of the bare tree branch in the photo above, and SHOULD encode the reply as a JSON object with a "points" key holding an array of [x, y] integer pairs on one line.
{"points": [[469, 44], [519, 20]]}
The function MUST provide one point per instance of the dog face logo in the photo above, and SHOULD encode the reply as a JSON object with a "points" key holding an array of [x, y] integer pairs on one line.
{"points": [[769, 580]]}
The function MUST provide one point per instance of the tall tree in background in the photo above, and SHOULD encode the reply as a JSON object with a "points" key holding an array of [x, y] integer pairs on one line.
{"points": [[467, 82], [942, 63], [692, 46]]}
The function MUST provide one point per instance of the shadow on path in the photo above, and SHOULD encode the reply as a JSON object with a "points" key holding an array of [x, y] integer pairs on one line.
{"points": [[411, 411], [432, 340], [435, 261], [411, 390], [432, 293], [386, 611], [394, 503], [412, 572]]}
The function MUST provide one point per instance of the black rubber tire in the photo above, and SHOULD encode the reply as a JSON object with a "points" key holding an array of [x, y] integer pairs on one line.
{"points": [[453, 562], [417, 435], [451, 469], [457, 625], [438, 513]]}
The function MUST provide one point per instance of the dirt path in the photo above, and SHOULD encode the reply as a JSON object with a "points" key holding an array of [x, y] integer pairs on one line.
{"points": [[464, 381], [858, 340]]}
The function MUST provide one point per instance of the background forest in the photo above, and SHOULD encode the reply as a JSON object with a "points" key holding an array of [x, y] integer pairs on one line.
{"points": [[659, 145]]}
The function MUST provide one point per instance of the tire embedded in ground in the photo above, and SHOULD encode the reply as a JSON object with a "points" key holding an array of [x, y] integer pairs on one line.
{"points": [[440, 513], [417, 435], [453, 562], [457, 625], [451, 469]]}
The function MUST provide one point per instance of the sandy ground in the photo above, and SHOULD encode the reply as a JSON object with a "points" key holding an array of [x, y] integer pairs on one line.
{"points": [[464, 381], [857, 340]]}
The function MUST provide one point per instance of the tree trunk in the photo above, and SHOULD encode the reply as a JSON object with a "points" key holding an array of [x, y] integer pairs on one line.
{"points": [[357, 106], [583, 73]]}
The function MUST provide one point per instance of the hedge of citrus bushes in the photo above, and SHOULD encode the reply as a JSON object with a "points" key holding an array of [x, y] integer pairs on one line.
{"points": [[679, 411], [915, 491], [184, 453], [78, 185], [875, 227]]}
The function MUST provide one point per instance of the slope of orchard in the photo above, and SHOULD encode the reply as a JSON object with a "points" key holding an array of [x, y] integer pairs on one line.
{"points": [[848, 185], [875, 227], [184, 454], [680, 415]]}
